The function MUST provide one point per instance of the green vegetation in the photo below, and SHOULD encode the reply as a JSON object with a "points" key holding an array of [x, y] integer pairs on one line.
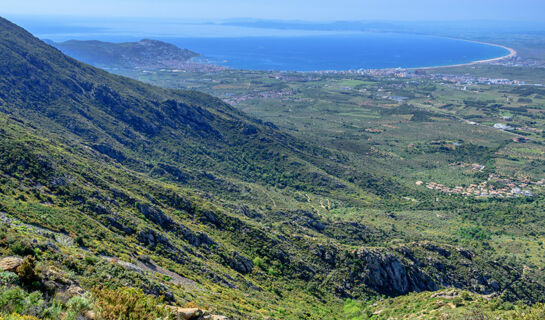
{"points": [[451, 304], [128, 304], [128, 200], [151, 53]]}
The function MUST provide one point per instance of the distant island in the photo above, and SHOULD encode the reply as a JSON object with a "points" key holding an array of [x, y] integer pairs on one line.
{"points": [[146, 53]]}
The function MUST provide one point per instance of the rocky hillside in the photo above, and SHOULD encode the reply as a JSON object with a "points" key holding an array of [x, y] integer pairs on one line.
{"points": [[120, 200], [146, 53]]}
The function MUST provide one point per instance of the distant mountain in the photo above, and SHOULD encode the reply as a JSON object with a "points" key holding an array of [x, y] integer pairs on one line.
{"points": [[438, 28], [145, 53], [313, 26]]}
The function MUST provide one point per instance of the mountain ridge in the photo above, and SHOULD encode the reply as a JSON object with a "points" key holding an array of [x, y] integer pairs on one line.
{"points": [[105, 179], [146, 53]]}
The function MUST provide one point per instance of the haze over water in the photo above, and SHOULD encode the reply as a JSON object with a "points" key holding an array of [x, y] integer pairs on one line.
{"points": [[290, 50]]}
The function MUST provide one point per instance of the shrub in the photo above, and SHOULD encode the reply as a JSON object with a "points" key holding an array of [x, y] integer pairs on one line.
{"points": [[466, 296], [26, 271], [458, 301], [355, 310], [535, 312], [15, 300], [76, 305], [144, 258], [258, 261], [16, 316], [8, 278], [20, 247], [127, 304], [191, 304], [11, 300], [34, 304], [272, 271]]}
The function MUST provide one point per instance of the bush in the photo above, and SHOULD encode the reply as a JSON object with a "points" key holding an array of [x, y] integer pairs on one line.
{"points": [[474, 233], [458, 301], [20, 247], [144, 258], [8, 278], [535, 312], [258, 261], [466, 296], [272, 271], [11, 300], [16, 316], [127, 304], [17, 301], [26, 271], [76, 305]]}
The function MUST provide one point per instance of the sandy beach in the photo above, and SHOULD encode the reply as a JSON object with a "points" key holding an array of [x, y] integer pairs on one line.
{"points": [[512, 53]]}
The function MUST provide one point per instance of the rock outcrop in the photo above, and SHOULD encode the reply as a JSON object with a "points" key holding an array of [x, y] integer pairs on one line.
{"points": [[386, 273], [240, 263], [193, 314], [186, 313], [10, 263]]}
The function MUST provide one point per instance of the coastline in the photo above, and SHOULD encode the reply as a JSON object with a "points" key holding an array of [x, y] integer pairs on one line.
{"points": [[512, 53]]}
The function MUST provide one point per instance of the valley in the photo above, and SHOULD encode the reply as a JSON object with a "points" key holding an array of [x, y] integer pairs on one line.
{"points": [[267, 195]]}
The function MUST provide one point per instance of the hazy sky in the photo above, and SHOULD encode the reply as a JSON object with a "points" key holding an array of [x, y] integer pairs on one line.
{"points": [[514, 10]]}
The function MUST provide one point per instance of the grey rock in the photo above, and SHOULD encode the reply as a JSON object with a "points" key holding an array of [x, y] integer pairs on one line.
{"points": [[240, 263], [152, 238], [385, 273], [155, 215]]}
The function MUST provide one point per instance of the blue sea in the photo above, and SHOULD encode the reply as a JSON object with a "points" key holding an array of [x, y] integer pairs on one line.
{"points": [[264, 49], [338, 52]]}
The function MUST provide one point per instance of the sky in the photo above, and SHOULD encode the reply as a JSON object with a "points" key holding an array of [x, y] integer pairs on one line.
{"points": [[310, 10]]}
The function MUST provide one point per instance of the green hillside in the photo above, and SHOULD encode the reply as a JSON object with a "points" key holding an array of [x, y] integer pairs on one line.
{"points": [[146, 52], [123, 198]]}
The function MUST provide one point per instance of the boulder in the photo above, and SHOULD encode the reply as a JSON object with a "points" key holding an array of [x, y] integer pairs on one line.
{"points": [[89, 314], [215, 317], [75, 290], [193, 314], [10, 263], [186, 313], [240, 263]]}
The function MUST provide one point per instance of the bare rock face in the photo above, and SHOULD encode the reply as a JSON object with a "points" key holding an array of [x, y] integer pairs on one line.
{"points": [[10, 263], [240, 263], [379, 270], [155, 215], [384, 272]]}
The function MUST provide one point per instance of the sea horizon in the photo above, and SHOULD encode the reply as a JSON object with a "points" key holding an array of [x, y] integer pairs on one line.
{"points": [[248, 48]]}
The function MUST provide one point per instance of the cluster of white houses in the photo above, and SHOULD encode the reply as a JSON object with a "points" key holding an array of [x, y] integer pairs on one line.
{"points": [[508, 189]]}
